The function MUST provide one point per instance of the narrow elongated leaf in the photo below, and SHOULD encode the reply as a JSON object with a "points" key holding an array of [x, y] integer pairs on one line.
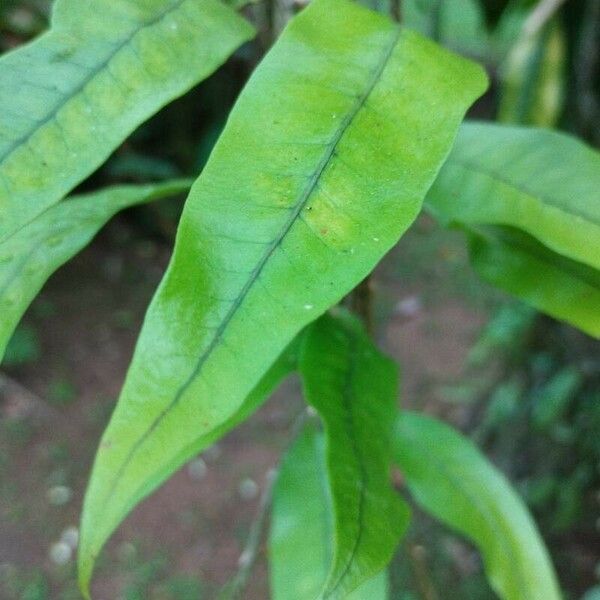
{"points": [[33, 253], [451, 480], [553, 284], [301, 534], [68, 99], [355, 390], [285, 364], [545, 183], [323, 164]]}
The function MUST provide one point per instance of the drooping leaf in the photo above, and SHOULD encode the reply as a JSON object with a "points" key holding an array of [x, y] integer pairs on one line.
{"points": [[355, 390], [453, 482], [323, 165], [301, 534], [68, 99], [520, 265], [543, 182], [33, 253]]}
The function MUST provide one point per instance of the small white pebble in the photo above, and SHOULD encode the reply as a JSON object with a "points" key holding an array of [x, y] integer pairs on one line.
{"points": [[409, 307], [244, 559], [60, 553], [59, 495], [197, 469], [70, 536], [248, 489]]}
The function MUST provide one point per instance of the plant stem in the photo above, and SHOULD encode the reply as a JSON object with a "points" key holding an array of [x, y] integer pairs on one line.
{"points": [[247, 559], [249, 554], [427, 590]]}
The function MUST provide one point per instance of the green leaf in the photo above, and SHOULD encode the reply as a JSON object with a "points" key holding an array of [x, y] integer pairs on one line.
{"points": [[68, 99], [285, 364], [322, 166], [300, 538], [355, 390], [34, 252], [519, 264], [451, 480], [542, 182], [457, 24]]}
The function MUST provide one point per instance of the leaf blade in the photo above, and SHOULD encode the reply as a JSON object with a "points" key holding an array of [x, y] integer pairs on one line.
{"points": [[282, 367], [301, 519], [302, 148], [545, 183], [520, 265], [70, 97], [32, 254], [450, 479], [355, 389]]}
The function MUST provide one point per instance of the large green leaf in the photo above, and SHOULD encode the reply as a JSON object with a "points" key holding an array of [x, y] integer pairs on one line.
{"points": [[519, 264], [451, 480], [301, 534], [323, 164], [68, 99], [543, 182], [33, 253], [355, 390]]}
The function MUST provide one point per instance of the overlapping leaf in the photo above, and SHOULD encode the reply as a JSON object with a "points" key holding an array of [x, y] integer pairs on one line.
{"points": [[499, 179], [301, 534], [355, 390], [323, 164], [33, 253], [452, 481], [68, 99]]}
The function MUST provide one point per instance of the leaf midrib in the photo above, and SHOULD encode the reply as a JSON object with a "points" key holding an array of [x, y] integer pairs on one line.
{"points": [[348, 404], [256, 272], [37, 125]]}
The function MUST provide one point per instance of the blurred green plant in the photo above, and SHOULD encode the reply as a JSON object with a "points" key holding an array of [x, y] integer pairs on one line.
{"points": [[343, 131]]}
